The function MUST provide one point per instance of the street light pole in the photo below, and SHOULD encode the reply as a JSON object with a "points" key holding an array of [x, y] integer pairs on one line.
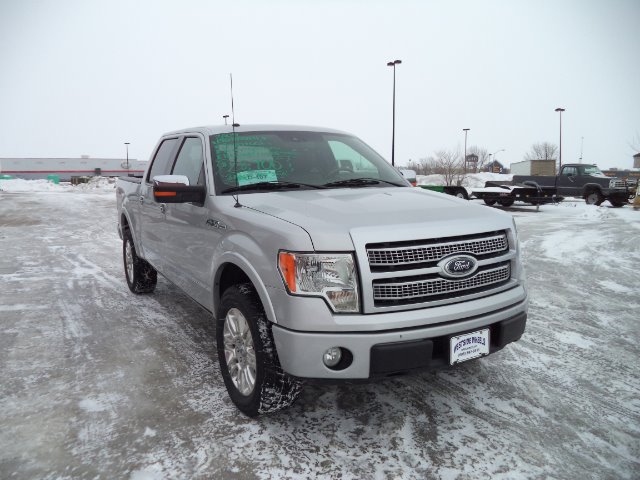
{"points": [[465, 130], [127, 147], [393, 131], [560, 110]]}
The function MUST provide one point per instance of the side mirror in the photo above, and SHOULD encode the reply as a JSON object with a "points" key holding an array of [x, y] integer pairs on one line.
{"points": [[176, 189]]}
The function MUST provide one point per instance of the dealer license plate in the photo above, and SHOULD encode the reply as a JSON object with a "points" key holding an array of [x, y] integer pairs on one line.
{"points": [[468, 346]]}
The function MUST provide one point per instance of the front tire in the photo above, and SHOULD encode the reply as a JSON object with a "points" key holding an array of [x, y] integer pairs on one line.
{"points": [[490, 201], [594, 197], [141, 276], [247, 355]]}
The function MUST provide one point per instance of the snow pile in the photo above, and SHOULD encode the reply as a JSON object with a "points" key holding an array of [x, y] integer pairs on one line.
{"points": [[20, 185], [95, 184], [472, 180]]}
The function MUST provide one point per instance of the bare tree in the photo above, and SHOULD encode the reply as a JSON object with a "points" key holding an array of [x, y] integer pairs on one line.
{"points": [[424, 166], [449, 164], [542, 151], [635, 143]]}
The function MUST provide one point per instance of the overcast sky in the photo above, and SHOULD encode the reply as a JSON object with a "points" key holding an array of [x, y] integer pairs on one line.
{"points": [[83, 77]]}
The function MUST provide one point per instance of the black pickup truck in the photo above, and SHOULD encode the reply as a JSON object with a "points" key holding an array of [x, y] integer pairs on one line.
{"points": [[584, 181]]}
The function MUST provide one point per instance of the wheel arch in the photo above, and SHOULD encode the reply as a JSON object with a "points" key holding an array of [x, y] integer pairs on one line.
{"points": [[235, 269], [125, 224], [591, 187]]}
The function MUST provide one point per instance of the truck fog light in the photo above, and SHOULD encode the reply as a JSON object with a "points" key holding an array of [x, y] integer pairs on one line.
{"points": [[332, 357]]}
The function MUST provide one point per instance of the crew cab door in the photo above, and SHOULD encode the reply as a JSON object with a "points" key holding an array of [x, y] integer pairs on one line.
{"points": [[152, 213], [190, 240]]}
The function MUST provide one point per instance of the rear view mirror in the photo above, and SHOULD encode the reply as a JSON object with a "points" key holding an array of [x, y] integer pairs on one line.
{"points": [[176, 189]]}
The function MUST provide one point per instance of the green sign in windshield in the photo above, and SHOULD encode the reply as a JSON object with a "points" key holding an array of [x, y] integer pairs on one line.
{"points": [[256, 176]]}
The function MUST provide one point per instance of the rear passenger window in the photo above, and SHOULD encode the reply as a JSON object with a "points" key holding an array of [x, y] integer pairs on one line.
{"points": [[162, 161], [190, 161]]}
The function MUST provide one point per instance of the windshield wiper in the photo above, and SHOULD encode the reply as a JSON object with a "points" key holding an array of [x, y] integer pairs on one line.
{"points": [[274, 185], [359, 182]]}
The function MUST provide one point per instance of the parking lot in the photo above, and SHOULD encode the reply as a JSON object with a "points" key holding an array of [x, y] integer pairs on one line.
{"points": [[96, 382]]}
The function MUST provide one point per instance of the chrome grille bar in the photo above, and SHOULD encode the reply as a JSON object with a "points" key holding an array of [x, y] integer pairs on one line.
{"points": [[433, 252], [439, 286]]}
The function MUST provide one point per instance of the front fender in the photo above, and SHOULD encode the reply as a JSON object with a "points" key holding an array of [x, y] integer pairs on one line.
{"points": [[590, 187], [243, 264]]}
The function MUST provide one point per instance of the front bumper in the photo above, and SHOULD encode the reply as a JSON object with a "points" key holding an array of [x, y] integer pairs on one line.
{"points": [[389, 352]]}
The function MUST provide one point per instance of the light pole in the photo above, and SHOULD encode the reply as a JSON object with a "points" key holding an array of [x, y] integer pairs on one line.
{"points": [[393, 131], [225, 118], [465, 130], [127, 147], [560, 110]]}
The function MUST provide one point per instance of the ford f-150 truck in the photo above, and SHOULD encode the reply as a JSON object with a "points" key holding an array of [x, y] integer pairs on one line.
{"points": [[584, 181], [317, 260]]}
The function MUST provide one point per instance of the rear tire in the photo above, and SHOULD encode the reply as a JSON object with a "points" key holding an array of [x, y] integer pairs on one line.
{"points": [[506, 202], [247, 355], [141, 276], [594, 197], [617, 204]]}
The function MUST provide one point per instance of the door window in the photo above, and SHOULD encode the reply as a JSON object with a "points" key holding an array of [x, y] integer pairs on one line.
{"points": [[162, 161], [190, 161]]}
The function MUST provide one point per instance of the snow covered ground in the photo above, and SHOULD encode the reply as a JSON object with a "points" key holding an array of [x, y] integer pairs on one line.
{"points": [[96, 382]]}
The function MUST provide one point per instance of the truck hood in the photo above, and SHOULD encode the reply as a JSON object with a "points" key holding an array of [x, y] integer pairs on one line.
{"points": [[340, 219]]}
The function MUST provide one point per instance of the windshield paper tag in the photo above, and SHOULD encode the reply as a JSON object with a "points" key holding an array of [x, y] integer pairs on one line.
{"points": [[256, 176]]}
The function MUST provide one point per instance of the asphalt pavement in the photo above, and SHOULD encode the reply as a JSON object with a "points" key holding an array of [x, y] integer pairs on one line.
{"points": [[96, 382]]}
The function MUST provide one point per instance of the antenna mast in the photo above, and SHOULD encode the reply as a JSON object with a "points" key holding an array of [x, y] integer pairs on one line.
{"points": [[235, 146]]}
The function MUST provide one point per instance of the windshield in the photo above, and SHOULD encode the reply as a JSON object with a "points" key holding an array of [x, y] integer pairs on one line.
{"points": [[297, 159], [593, 171]]}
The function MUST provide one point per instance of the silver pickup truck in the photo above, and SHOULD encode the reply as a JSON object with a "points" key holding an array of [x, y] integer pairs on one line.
{"points": [[317, 259]]}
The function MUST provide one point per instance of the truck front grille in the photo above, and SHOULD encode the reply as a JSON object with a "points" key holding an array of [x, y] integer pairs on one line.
{"points": [[407, 274], [622, 183], [435, 288], [431, 252]]}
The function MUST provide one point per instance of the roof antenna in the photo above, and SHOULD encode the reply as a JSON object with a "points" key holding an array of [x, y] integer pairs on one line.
{"points": [[235, 146]]}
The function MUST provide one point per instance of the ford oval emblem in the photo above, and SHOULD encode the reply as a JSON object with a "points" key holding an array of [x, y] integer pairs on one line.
{"points": [[458, 266]]}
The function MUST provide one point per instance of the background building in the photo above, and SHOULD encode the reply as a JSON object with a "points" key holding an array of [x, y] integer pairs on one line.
{"points": [[66, 168]]}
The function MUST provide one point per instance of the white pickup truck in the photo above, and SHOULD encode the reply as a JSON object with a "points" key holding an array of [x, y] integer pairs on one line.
{"points": [[317, 260]]}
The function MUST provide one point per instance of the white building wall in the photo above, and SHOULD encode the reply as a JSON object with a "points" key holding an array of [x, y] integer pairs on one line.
{"points": [[65, 168]]}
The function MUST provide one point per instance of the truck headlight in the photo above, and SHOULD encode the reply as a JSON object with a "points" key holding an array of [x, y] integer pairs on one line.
{"points": [[332, 276]]}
